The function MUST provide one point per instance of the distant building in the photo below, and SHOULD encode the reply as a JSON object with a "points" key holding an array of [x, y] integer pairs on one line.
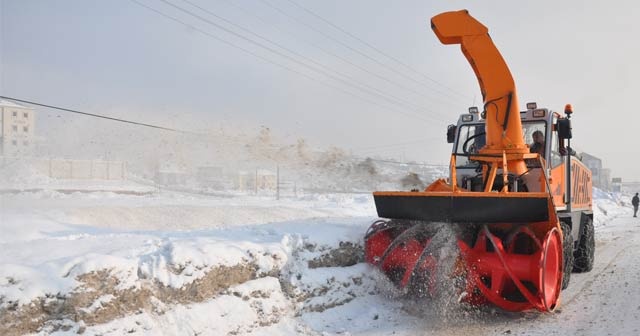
{"points": [[211, 177], [171, 177], [260, 179], [246, 181], [267, 180], [605, 179], [616, 184], [595, 164], [16, 129]]}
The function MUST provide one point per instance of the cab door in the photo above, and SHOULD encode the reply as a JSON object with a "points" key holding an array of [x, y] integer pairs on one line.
{"points": [[556, 166]]}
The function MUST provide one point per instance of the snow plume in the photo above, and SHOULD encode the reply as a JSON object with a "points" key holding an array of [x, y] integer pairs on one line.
{"points": [[229, 150], [436, 294], [333, 168]]}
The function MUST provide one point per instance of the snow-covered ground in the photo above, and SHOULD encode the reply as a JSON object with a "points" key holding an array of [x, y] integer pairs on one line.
{"points": [[170, 263]]}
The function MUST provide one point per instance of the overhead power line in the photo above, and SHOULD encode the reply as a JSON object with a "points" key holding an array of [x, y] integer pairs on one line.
{"points": [[324, 70], [437, 99], [407, 163], [358, 86], [288, 68], [374, 48], [401, 144], [357, 51], [136, 123], [95, 115]]}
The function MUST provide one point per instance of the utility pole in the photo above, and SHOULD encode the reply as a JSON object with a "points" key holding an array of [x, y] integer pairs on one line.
{"points": [[277, 182]]}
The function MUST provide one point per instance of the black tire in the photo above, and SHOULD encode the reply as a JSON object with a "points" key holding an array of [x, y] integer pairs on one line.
{"points": [[584, 255], [567, 254]]}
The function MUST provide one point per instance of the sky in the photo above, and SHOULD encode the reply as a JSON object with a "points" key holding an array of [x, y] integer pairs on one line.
{"points": [[367, 76]]}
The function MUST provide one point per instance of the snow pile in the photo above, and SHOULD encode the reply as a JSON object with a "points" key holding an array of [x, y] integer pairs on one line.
{"points": [[79, 270], [609, 205]]}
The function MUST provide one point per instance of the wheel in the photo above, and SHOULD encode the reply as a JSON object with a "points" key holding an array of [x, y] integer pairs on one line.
{"points": [[567, 254], [584, 255]]}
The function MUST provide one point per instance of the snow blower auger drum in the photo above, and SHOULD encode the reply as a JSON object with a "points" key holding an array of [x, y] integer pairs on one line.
{"points": [[516, 266], [509, 206], [516, 275]]}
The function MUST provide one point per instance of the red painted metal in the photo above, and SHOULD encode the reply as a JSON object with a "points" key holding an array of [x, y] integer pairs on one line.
{"points": [[496, 270], [501, 275]]}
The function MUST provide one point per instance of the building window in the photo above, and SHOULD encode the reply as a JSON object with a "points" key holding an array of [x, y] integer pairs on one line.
{"points": [[25, 114], [15, 113], [14, 142], [15, 128], [25, 128]]}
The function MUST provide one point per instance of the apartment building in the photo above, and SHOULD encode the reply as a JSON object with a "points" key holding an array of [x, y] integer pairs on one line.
{"points": [[17, 124]]}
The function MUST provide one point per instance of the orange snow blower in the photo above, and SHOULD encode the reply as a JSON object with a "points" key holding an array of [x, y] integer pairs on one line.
{"points": [[522, 220]]}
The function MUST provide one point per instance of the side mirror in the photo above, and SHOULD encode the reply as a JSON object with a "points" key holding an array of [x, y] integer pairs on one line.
{"points": [[451, 133], [564, 129]]}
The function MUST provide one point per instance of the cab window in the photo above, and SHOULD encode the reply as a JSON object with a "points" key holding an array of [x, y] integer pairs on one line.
{"points": [[470, 139], [556, 157]]}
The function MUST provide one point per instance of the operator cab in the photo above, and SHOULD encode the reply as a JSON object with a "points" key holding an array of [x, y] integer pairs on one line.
{"points": [[468, 136]]}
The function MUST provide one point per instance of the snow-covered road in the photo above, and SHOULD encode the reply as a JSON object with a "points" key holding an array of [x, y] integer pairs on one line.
{"points": [[605, 301]]}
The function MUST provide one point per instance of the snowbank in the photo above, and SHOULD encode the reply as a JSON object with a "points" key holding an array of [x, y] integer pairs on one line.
{"points": [[608, 206]]}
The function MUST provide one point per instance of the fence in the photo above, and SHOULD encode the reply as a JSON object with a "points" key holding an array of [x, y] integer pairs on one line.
{"points": [[73, 169]]}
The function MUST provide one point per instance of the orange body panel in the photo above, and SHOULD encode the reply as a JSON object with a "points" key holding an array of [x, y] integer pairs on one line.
{"points": [[558, 185], [581, 194]]}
